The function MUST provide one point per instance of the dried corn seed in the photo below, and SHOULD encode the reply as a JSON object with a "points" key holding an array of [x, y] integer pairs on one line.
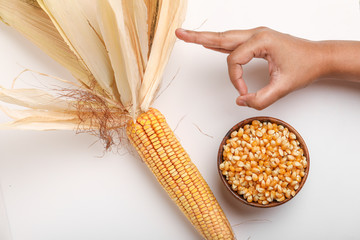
{"points": [[280, 199], [233, 134], [259, 134], [298, 178], [298, 165], [304, 163], [226, 148], [291, 157], [261, 177], [255, 123], [271, 132], [248, 178], [222, 165], [240, 164], [294, 183], [288, 179], [246, 137], [292, 136]]}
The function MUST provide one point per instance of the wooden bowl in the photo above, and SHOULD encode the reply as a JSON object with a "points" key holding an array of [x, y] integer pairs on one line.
{"points": [[262, 119]]}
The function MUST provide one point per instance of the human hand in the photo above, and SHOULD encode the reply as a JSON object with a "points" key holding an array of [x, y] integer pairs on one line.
{"points": [[293, 62]]}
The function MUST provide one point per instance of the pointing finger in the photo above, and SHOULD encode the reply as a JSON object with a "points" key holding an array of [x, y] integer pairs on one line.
{"points": [[228, 40]]}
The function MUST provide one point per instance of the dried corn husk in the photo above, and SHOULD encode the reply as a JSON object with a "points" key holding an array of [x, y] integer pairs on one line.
{"points": [[32, 119], [153, 13], [121, 38], [82, 39], [29, 19], [170, 17], [118, 49], [34, 98]]}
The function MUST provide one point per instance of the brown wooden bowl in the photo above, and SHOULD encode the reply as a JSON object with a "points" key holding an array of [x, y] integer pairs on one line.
{"points": [[262, 119]]}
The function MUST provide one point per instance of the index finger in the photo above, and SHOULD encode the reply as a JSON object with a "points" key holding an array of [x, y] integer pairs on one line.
{"points": [[228, 40]]}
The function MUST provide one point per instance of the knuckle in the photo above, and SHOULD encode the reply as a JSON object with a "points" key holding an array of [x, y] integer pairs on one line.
{"points": [[230, 59], [220, 34], [264, 36], [220, 40], [262, 28]]}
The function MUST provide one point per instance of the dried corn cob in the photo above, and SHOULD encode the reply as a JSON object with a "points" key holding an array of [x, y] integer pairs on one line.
{"points": [[118, 50], [162, 152]]}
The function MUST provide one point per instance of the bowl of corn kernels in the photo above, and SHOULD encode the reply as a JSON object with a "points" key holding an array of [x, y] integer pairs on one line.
{"points": [[263, 162]]}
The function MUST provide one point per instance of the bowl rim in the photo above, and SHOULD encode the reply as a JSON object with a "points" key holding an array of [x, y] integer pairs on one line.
{"points": [[262, 119]]}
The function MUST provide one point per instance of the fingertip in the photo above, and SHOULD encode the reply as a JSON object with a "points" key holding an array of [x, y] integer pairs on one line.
{"points": [[242, 87], [180, 30], [241, 102], [180, 33]]}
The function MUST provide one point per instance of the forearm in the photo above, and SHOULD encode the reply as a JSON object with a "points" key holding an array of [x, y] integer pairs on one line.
{"points": [[340, 60]]}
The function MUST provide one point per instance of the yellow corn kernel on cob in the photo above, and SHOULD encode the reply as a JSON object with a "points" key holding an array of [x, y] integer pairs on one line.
{"points": [[164, 155]]}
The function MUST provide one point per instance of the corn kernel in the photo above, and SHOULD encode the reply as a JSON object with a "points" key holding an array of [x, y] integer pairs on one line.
{"points": [[292, 136], [248, 178], [233, 134], [255, 177]]}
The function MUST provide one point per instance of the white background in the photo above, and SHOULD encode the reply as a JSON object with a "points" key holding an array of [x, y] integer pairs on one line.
{"points": [[61, 186]]}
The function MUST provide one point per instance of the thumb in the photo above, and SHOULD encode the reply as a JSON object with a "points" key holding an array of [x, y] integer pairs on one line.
{"points": [[262, 98]]}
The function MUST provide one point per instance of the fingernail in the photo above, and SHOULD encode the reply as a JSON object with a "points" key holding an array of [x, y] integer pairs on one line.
{"points": [[181, 30], [241, 102]]}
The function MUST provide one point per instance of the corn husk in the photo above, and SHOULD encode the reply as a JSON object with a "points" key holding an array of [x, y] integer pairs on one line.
{"points": [[32, 119], [120, 34], [70, 20], [90, 11], [170, 17], [34, 98], [29, 19], [153, 13], [116, 49]]}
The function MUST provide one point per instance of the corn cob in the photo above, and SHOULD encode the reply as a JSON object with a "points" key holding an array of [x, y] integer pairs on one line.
{"points": [[107, 61], [164, 155]]}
